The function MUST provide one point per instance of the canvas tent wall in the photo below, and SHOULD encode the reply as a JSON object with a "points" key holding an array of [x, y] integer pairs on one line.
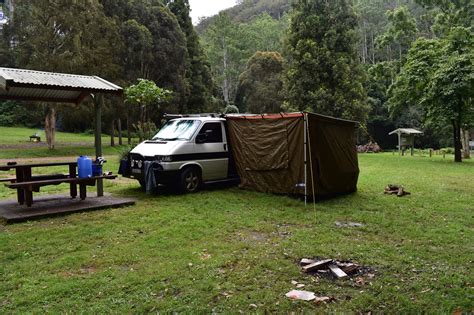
{"points": [[270, 152]]}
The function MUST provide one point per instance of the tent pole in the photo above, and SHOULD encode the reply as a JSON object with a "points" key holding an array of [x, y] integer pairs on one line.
{"points": [[305, 163], [311, 164], [98, 103]]}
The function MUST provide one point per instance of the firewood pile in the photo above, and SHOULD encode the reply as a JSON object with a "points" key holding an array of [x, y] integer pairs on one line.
{"points": [[396, 190], [371, 147], [333, 268]]}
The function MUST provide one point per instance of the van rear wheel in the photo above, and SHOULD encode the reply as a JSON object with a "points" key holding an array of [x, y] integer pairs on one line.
{"points": [[190, 180]]}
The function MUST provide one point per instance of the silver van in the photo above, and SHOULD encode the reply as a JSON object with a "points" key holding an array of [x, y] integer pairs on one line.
{"points": [[187, 152]]}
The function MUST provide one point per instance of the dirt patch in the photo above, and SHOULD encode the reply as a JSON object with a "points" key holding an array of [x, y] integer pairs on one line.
{"points": [[252, 237], [84, 271]]}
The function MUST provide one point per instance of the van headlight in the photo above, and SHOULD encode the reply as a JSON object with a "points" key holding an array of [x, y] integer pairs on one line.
{"points": [[164, 158]]}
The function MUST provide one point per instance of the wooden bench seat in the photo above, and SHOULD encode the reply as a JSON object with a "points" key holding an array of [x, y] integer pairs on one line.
{"points": [[34, 185], [35, 178], [57, 181], [6, 180]]}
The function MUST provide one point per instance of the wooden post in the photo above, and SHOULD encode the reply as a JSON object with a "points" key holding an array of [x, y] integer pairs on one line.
{"points": [[112, 134], [399, 143], [119, 126], [98, 103]]}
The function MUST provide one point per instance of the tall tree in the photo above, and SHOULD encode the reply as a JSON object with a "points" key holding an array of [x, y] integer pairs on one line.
{"points": [[137, 55], [401, 30], [165, 62], [439, 76], [260, 85], [225, 53], [198, 73], [229, 45], [324, 74]]}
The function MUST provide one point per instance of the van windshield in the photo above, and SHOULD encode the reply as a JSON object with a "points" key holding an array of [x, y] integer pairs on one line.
{"points": [[177, 130]]}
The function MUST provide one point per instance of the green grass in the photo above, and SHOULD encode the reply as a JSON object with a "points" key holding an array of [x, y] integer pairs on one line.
{"points": [[223, 250], [19, 135], [16, 144]]}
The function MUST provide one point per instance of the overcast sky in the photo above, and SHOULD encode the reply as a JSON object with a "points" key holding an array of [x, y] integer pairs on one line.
{"points": [[205, 8]]}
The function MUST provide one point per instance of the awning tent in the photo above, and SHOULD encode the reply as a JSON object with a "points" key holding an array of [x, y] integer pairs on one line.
{"points": [[294, 153], [49, 87]]}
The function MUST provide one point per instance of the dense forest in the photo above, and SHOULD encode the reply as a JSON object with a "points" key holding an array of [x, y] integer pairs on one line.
{"points": [[385, 63]]}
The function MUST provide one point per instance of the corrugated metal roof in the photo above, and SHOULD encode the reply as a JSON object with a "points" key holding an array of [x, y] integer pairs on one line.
{"points": [[407, 131], [21, 84]]}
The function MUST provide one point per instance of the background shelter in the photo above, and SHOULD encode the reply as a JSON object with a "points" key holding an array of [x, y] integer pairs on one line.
{"points": [[49, 87], [298, 153], [406, 138]]}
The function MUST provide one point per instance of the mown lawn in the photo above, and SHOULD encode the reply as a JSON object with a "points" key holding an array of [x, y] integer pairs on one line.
{"points": [[18, 135], [224, 250], [14, 144]]}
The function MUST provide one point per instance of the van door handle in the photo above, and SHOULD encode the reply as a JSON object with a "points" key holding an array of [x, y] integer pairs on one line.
{"points": [[225, 147]]}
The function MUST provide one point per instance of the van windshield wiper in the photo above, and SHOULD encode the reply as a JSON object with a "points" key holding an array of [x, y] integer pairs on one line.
{"points": [[169, 139]]}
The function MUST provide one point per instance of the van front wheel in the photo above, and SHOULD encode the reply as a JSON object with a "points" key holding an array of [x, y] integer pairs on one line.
{"points": [[190, 180]]}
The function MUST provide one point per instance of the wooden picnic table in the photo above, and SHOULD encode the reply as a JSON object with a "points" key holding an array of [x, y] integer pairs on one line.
{"points": [[25, 183]]}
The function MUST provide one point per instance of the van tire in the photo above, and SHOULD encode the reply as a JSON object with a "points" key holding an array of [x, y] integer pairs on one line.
{"points": [[190, 180], [142, 184]]}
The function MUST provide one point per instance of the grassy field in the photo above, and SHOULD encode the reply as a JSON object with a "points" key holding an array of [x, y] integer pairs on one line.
{"points": [[20, 135], [14, 143], [230, 250]]}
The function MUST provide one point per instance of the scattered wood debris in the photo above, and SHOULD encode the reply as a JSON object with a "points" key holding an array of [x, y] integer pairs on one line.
{"points": [[334, 268], [396, 190], [316, 265], [337, 272], [306, 261]]}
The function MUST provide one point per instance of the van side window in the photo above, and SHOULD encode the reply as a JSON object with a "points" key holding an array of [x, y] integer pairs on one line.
{"points": [[213, 131]]}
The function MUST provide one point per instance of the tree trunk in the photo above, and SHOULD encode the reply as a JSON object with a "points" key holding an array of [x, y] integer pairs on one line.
{"points": [[466, 152], [142, 122], [364, 56], [112, 133], [373, 47], [225, 83], [50, 126], [129, 129], [119, 126], [457, 141]]}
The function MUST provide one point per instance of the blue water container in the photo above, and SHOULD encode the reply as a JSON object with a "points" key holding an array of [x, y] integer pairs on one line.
{"points": [[84, 167]]}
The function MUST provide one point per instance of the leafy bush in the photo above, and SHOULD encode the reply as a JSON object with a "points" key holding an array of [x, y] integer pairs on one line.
{"points": [[231, 109], [447, 150], [15, 114]]}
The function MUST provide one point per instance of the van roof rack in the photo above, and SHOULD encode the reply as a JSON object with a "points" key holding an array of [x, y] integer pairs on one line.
{"points": [[172, 116]]}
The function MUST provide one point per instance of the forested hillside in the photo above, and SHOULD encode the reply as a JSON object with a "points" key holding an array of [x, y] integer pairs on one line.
{"points": [[357, 59], [382, 35], [246, 10]]}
